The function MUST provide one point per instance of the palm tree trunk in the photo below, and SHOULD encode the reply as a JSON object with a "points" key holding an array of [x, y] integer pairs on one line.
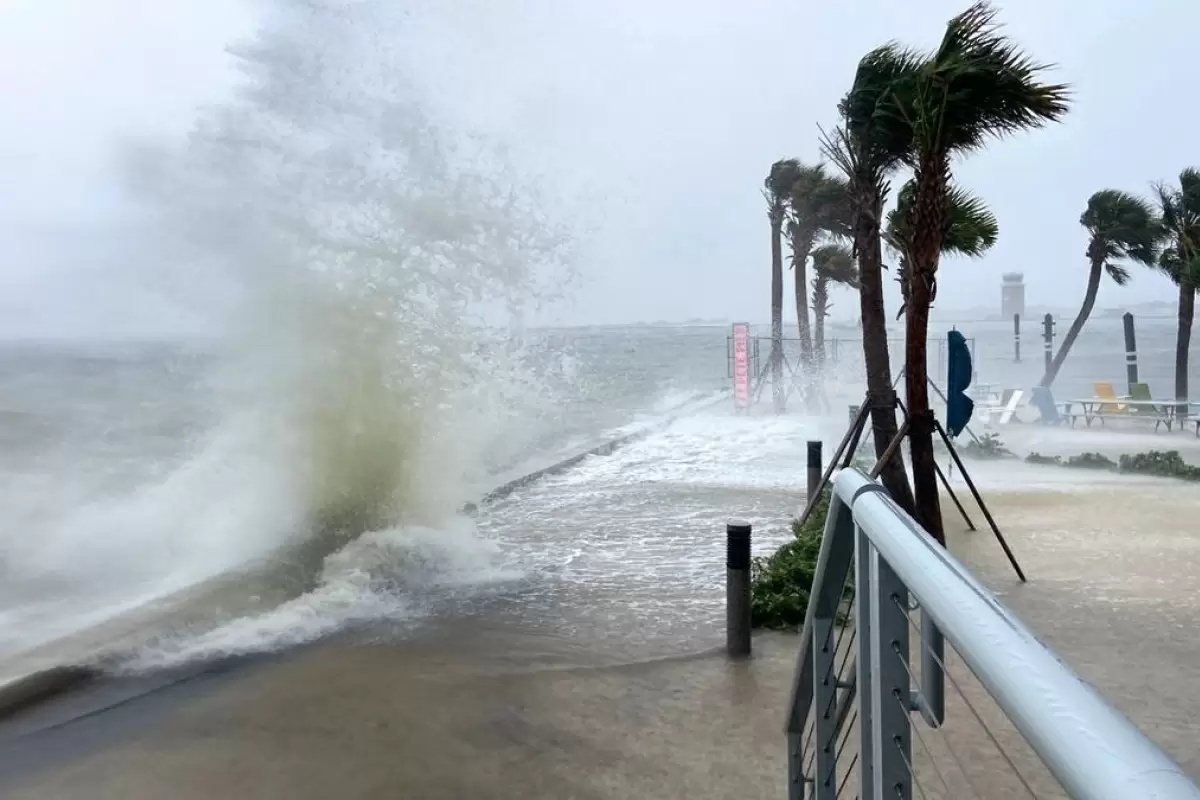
{"points": [[929, 213], [776, 357], [1183, 339], [802, 243], [920, 416], [880, 394], [820, 301], [1089, 301], [902, 277]]}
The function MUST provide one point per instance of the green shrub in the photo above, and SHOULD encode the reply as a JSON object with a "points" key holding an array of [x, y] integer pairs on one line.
{"points": [[1090, 461], [780, 583], [988, 446], [1168, 464], [1163, 464]]}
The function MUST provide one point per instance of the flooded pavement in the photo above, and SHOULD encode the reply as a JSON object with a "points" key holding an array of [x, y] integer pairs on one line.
{"points": [[500, 704], [1114, 575], [440, 717]]}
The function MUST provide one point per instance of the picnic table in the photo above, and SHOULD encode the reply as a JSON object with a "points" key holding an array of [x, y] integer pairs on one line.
{"points": [[1163, 412], [984, 392]]}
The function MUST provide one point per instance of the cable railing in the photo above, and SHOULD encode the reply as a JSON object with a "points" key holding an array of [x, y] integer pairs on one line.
{"points": [[983, 710]]}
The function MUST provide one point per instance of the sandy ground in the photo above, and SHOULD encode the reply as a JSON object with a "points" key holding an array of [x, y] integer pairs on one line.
{"points": [[486, 710]]}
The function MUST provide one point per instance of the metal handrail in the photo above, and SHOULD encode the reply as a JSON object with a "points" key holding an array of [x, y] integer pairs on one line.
{"points": [[1091, 748]]}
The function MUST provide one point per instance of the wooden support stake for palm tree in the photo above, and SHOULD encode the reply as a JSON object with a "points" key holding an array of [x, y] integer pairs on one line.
{"points": [[937, 390], [891, 451], [1012, 559], [941, 475], [847, 448]]}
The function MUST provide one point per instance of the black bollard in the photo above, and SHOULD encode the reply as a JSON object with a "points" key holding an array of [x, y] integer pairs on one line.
{"points": [[737, 589], [815, 470], [1131, 367], [1016, 338], [1048, 337]]}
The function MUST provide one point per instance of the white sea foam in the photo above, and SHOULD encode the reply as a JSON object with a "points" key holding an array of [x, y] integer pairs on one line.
{"points": [[392, 576], [719, 449]]}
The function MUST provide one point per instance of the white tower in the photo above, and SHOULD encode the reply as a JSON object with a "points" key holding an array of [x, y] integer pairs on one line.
{"points": [[1012, 295]]}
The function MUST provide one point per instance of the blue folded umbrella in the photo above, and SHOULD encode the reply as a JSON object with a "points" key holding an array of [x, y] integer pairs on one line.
{"points": [[959, 407]]}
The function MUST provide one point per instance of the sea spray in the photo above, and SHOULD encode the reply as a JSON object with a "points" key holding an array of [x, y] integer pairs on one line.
{"points": [[357, 261], [368, 247]]}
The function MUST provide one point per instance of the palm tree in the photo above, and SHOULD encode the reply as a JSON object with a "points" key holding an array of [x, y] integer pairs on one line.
{"points": [[1179, 213], [971, 229], [1121, 227], [867, 152], [976, 86], [818, 205], [832, 263], [776, 189]]}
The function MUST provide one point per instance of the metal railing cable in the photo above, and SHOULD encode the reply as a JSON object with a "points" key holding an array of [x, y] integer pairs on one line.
{"points": [[812, 759], [912, 774], [840, 695], [839, 679], [916, 729], [832, 773], [846, 777], [995, 740]]}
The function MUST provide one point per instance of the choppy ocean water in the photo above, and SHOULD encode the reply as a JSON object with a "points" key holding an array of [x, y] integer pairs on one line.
{"points": [[114, 493]]}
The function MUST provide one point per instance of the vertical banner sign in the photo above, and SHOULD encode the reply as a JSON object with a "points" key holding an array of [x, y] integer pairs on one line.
{"points": [[741, 366]]}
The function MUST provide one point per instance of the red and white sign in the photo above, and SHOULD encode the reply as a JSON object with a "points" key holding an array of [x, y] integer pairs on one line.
{"points": [[741, 365]]}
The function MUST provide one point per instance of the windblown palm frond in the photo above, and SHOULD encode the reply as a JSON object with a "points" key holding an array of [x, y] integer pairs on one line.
{"points": [[1179, 210], [971, 228], [834, 263], [977, 85], [1122, 227], [779, 180], [1179, 215], [820, 203], [872, 117]]}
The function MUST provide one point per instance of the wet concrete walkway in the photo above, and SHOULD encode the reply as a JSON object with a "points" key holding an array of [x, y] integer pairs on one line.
{"points": [[485, 710]]}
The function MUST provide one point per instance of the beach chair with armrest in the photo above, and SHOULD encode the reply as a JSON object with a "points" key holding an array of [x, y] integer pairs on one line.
{"points": [[989, 407], [1052, 413], [1158, 413], [1140, 391], [1011, 400], [1104, 390]]}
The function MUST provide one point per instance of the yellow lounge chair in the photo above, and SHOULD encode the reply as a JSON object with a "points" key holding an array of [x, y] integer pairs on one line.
{"points": [[1105, 391]]}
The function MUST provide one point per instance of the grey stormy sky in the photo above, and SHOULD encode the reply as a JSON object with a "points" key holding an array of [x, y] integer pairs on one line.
{"points": [[658, 118]]}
